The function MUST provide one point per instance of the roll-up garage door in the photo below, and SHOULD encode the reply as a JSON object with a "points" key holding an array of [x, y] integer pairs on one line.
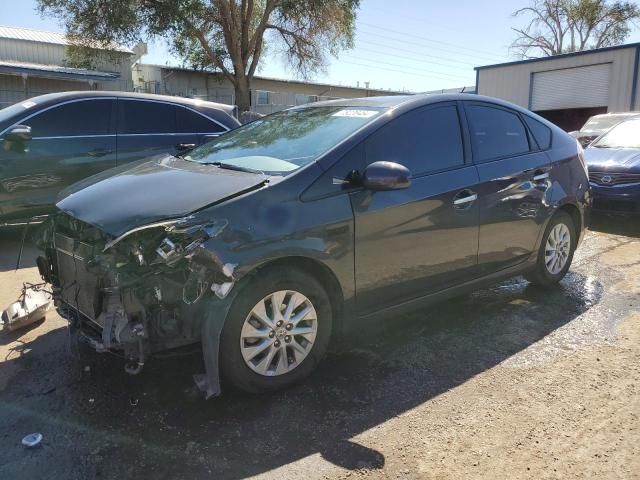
{"points": [[580, 87]]}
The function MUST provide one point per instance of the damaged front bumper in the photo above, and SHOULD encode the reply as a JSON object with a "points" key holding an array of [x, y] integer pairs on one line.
{"points": [[151, 289]]}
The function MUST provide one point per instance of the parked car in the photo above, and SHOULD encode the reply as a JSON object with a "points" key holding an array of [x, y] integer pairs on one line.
{"points": [[52, 141], [600, 124], [614, 169], [308, 222]]}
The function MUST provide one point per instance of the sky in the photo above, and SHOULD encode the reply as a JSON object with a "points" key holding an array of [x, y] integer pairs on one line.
{"points": [[413, 45]]}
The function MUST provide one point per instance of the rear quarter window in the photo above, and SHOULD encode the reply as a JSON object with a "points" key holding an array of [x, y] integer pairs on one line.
{"points": [[541, 133]]}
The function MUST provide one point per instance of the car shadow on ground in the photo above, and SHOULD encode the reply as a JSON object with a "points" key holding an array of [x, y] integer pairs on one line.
{"points": [[157, 425], [10, 242], [627, 225]]}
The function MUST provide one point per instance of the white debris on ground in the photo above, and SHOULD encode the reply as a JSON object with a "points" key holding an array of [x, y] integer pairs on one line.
{"points": [[33, 305]]}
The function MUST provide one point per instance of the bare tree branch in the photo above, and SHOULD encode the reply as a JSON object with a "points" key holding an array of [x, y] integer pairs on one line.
{"points": [[560, 26]]}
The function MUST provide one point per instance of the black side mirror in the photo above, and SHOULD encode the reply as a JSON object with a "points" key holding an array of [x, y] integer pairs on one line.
{"points": [[380, 176], [18, 134]]}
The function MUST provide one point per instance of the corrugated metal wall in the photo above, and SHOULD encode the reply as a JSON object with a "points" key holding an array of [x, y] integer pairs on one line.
{"points": [[513, 82], [12, 89], [583, 87]]}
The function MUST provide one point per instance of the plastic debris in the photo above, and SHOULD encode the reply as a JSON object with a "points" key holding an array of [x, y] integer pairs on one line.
{"points": [[222, 289], [32, 440], [33, 305]]}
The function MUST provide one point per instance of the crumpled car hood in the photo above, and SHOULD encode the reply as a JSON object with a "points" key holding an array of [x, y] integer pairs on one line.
{"points": [[151, 191], [613, 159]]}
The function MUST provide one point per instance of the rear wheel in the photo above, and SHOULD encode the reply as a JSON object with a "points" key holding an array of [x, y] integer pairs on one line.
{"points": [[277, 331], [556, 251]]}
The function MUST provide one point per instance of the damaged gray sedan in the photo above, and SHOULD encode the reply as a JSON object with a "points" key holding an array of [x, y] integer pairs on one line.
{"points": [[265, 242]]}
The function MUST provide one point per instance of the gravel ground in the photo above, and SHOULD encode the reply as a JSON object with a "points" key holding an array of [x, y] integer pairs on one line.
{"points": [[508, 382]]}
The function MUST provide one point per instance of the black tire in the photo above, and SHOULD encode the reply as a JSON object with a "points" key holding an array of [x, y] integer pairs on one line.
{"points": [[233, 366], [540, 274]]}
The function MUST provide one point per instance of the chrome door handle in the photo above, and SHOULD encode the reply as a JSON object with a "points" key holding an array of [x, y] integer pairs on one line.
{"points": [[185, 146], [464, 200], [542, 176]]}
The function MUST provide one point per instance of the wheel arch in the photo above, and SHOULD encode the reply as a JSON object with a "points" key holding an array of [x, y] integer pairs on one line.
{"points": [[576, 217], [318, 270]]}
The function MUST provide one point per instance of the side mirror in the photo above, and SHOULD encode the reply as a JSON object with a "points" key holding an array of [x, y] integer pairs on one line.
{"points": [[381, 176], [18, 134]]}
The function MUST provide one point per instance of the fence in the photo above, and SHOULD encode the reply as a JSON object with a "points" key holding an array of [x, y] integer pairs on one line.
{"points": [[265, 102]]}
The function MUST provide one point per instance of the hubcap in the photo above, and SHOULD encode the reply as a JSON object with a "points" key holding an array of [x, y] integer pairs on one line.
{"points": [[278, 333], [557, 249]]}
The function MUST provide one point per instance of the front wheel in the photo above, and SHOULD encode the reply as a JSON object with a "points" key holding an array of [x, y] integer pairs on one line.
{"points": [[556, 251], [277, 331]]}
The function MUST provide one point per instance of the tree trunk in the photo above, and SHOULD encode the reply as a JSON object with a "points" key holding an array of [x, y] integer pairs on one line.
{"points": [[243, 95]]}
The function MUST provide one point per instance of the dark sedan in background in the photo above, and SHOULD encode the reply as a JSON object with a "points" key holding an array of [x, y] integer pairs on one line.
{"points": [[264, 242], [614, 169], [55, 140]]}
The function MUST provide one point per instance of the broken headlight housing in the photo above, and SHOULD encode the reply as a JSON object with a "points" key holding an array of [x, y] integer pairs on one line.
{"points": [[184, 237], [166, 242]]}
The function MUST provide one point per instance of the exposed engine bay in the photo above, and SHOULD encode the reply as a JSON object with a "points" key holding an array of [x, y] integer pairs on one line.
{"points": [[135, 294]]}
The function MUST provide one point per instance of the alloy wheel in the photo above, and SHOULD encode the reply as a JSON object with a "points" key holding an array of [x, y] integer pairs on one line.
{"points": [[279, 333], [557, 249]]}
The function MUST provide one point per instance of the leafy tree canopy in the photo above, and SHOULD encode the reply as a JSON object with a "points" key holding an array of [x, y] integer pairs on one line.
{"points": [[229, 36]]}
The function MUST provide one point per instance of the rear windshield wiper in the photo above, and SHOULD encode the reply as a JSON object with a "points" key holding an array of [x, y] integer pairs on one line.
{"points": [[229, 166]]}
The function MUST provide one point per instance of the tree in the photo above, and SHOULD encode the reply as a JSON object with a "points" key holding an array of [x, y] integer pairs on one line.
{"points": [[562, 26], [228, 36]]}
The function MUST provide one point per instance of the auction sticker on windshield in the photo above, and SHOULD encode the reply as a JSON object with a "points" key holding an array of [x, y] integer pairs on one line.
{"points": [[355, 113]]}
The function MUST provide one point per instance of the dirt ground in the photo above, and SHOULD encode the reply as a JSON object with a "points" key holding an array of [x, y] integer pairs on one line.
{"points": [[508, 382]]}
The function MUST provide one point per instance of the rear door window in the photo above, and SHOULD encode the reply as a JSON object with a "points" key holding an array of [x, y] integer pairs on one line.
{"points": [[142, 117], [75, 119], [495, 133], [424, 140], [188, 121]]}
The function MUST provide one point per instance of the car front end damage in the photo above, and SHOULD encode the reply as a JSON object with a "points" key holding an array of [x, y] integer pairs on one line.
{"points": [[147, 290]]}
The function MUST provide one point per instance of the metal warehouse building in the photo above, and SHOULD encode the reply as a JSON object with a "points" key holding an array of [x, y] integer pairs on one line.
{"points": [[268, 95], [568, 89], [33, 62]]}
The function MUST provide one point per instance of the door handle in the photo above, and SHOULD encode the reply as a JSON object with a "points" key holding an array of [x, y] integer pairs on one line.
{"points": [[465, 197], [100, 152], [185, 146], [540, 176]]}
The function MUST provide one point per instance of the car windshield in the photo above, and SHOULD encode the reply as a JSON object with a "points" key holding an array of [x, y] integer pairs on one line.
{"points": [[283, 142], [624, 135], [600, 123]]}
